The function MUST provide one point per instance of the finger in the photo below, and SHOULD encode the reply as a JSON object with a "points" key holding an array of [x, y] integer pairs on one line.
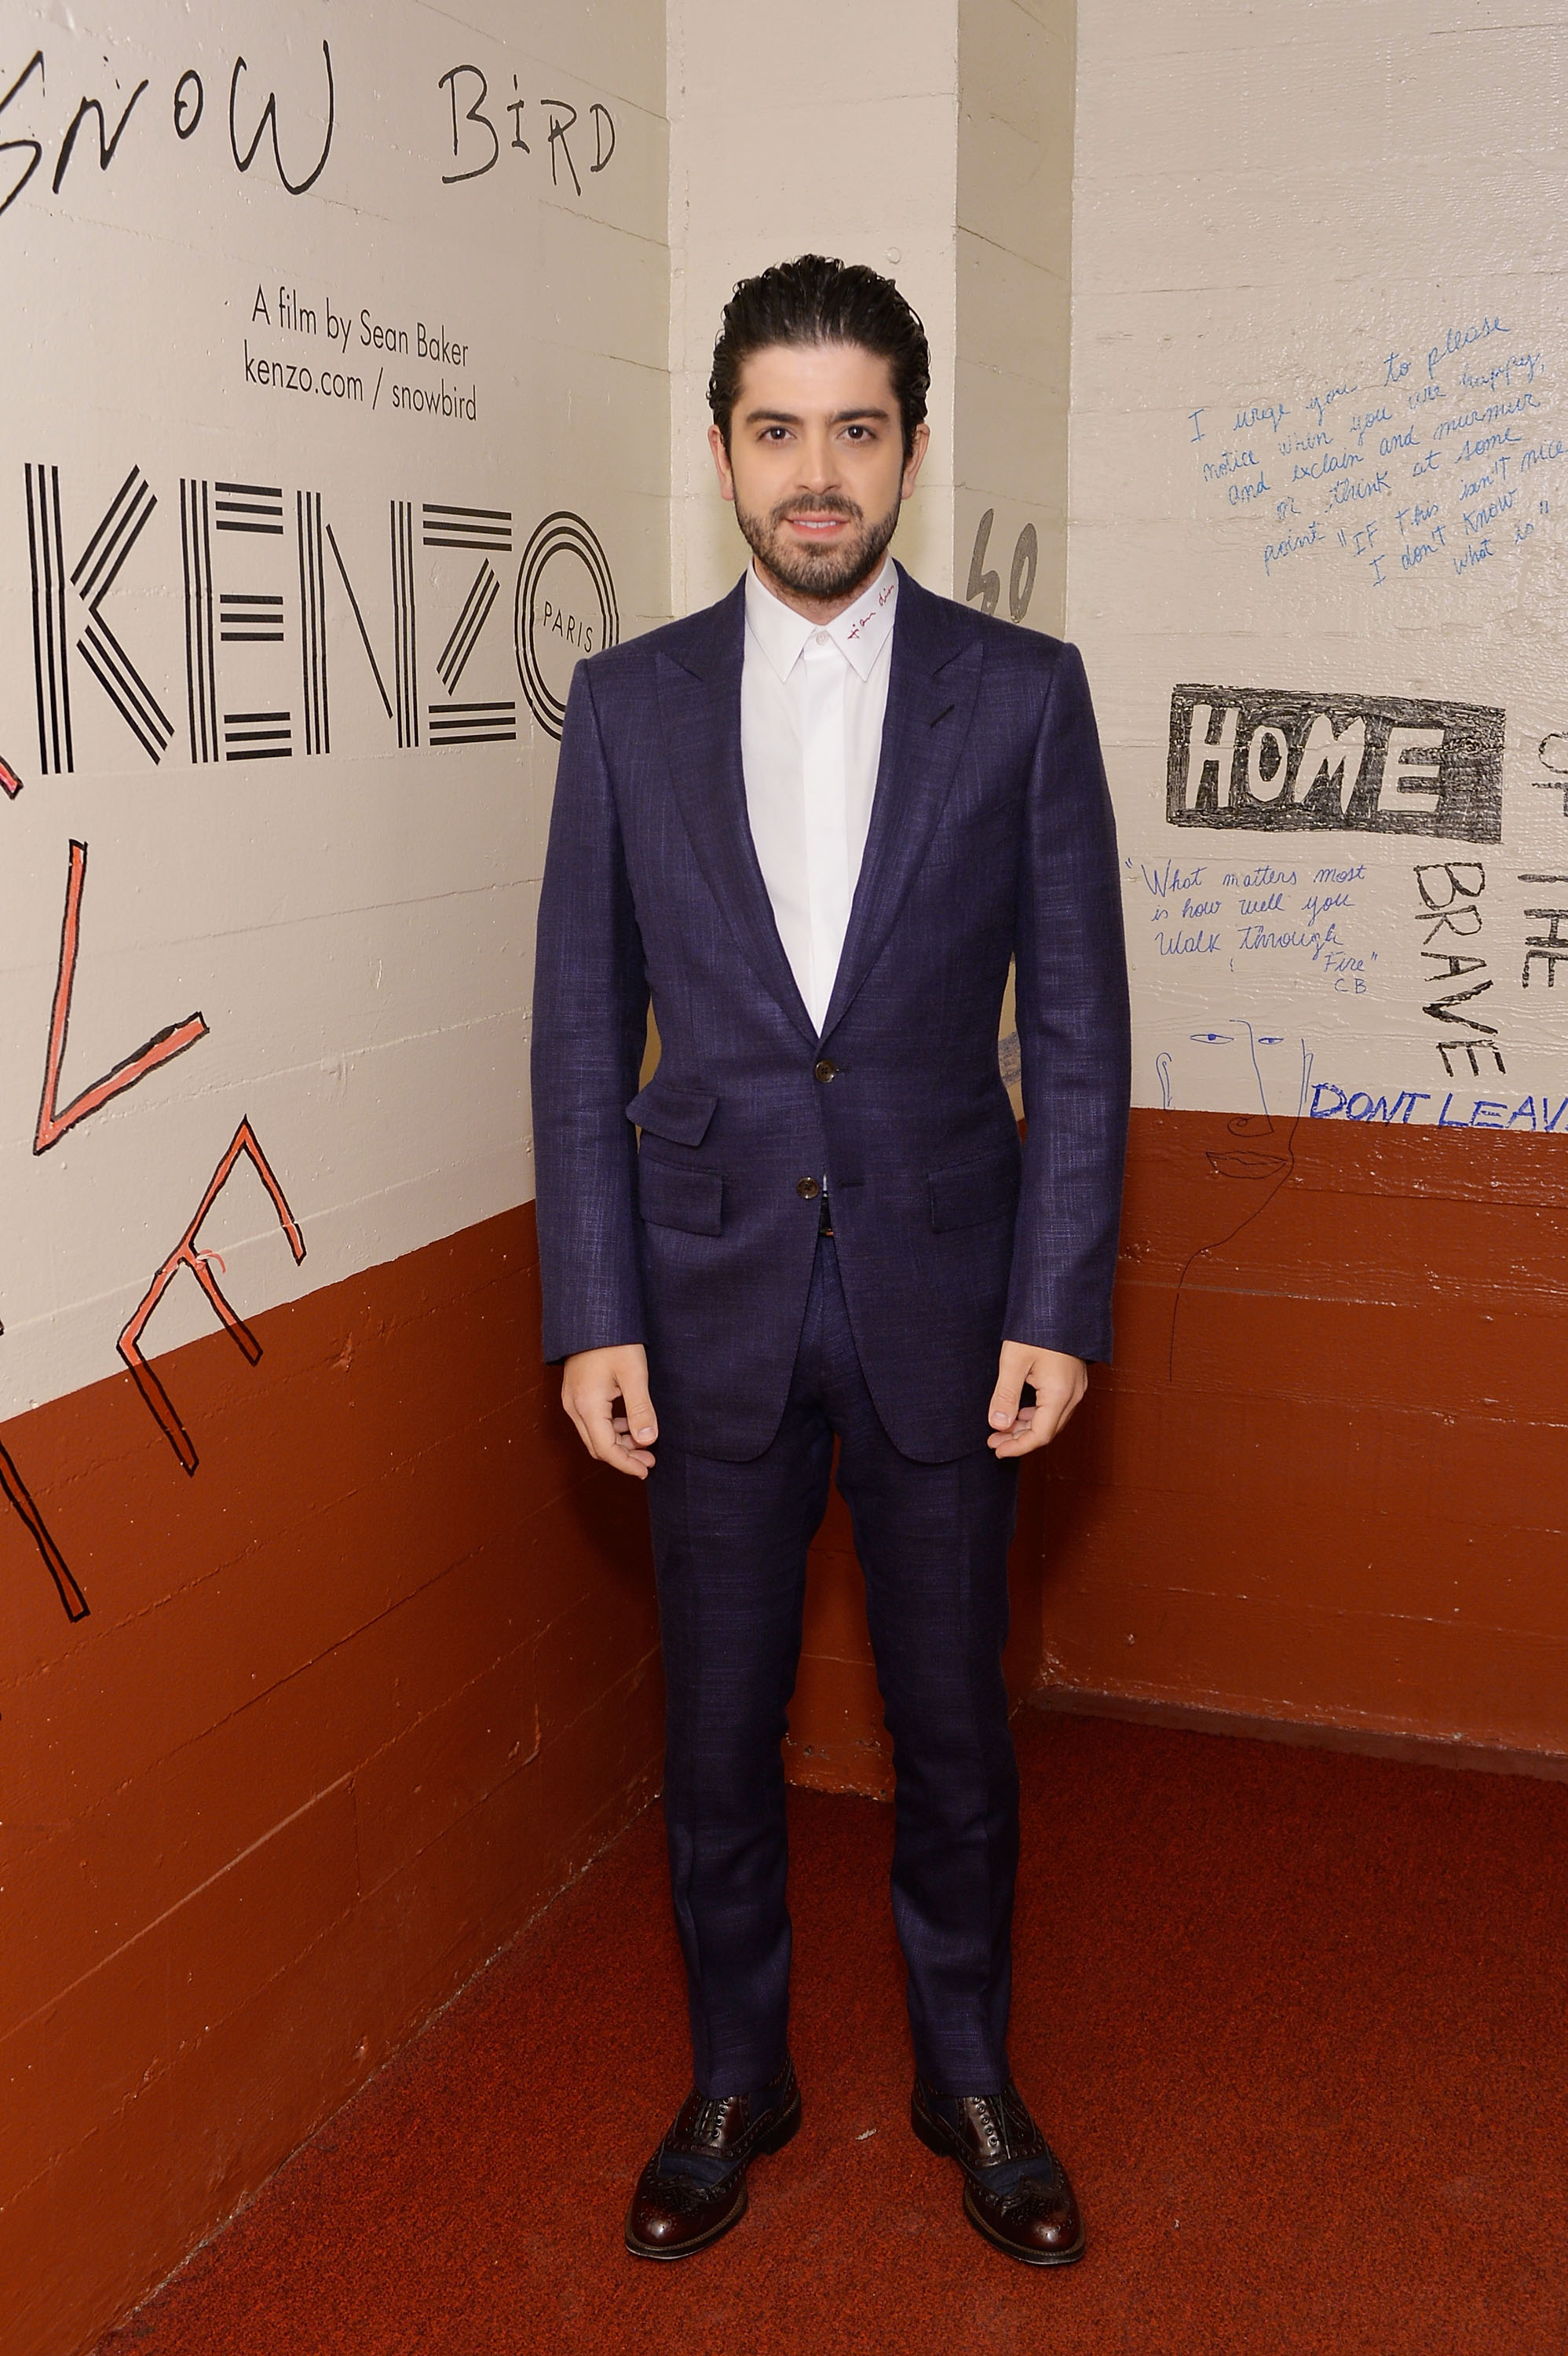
{"points": [[601, 1431], [1003, 1411], [614, 1447], [1039, 1426], [641, 1421], [590, 1407], [591, 1411], [1069, 1409], [628, 1446]]}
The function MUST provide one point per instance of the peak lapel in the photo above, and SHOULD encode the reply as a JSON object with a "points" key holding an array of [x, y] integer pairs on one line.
{"points": [[700, 700], [931, 697]]}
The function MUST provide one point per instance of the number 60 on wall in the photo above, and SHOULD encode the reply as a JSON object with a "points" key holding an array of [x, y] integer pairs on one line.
{"points": [[987, 586]]}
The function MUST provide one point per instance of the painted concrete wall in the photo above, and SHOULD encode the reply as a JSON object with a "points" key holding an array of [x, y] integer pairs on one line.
{"points": [[270, 511], [324, 1658], [770, 157], [1318, 363], [1013, 312], [327, 1656], [1318, 438]]}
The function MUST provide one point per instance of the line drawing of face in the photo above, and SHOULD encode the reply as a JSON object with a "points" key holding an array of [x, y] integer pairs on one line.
{"points": [[1255, 1067], [1259, 1147]]}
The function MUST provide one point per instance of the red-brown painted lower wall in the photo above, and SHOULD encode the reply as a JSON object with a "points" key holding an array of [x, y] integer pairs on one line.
{"points": [[354, 1701], [1326, 1479], [351, 1704]]}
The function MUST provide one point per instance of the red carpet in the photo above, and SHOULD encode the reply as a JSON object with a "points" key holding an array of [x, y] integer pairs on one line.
{"points": [[1295, 2021]]}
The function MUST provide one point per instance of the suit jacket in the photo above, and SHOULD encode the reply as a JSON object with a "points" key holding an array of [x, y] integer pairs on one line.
{"points": [[991, 839]]}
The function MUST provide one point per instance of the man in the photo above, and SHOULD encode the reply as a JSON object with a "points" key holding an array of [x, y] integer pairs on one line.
{"points": [[816, 822]]}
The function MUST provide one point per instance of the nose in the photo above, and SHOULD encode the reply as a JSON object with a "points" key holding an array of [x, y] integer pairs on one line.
{"points": [[819, 463]]}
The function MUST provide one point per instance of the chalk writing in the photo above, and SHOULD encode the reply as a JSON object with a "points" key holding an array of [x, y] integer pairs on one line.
{"points": [[1259, 913], [1269, 1072], [1546, 951], [1274, 759], [1419, 1107], [476, 143], [188, 107], [988, 586], [1402, 439], [572, 142], [1450, 914], [268, 120]]}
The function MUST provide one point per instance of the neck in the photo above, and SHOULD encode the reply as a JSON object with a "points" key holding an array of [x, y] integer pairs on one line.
{"points": [[819, 610]]}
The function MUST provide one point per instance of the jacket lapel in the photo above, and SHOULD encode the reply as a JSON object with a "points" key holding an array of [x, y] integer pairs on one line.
{"points": [[699, 698], [935, 675]]}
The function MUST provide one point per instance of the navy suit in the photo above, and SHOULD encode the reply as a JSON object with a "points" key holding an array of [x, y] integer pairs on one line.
{"points": [[991, 839]]}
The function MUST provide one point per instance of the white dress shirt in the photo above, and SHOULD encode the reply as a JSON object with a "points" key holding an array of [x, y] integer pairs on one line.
{"points": [[811, 704]]}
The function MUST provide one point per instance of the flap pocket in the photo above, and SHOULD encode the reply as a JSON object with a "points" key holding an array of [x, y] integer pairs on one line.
{"points": [[666, 1109], [669, 1196], [973, 1192]]}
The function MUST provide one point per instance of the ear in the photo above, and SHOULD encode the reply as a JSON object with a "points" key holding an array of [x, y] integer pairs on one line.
{"points": [[721, 466], [920, 445]]}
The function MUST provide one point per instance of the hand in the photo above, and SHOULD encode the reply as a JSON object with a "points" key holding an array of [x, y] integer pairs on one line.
{"points": [[1060, 1382], [605, 1393]]}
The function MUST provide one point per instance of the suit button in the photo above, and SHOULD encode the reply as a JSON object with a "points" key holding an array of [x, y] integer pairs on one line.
{"points": [[825, 1070], [808, 1189]]}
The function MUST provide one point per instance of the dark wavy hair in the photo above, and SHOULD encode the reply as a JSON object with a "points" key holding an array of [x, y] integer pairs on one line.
{"points": [[815, 300]]}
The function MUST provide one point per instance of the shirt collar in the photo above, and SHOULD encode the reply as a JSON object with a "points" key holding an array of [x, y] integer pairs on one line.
{"points": [[859, 632]]}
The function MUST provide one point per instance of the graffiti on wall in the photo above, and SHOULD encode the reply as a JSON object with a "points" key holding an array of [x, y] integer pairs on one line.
{"points": [[1271, 760], [188, 1254], [305, 599], [468, 128], [1432, 458], [263, 570]]}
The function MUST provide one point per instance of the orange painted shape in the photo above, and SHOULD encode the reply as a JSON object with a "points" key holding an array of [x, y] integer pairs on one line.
{"points": [[10, 783], [161, 1049], [185, 1254]]}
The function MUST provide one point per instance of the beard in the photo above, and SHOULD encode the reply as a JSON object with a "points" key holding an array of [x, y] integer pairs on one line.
{"points": [[825, 572]]}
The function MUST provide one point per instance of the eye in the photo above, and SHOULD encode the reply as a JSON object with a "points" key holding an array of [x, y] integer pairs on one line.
{"points": [[775, 433], [1214, 1038], [1269, 1041]]}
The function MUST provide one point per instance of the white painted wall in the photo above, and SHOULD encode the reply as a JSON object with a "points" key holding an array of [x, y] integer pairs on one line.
{"points": [[1279, 207], [354, 925], [1012, 325], [794, 134]]}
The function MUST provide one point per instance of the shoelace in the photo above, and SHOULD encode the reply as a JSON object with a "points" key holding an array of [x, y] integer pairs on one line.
{"points": [[706, 2125], [1006, 2129]]}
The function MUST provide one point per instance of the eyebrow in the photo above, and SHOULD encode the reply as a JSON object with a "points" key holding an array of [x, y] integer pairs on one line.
{"points": [[839, 417]]}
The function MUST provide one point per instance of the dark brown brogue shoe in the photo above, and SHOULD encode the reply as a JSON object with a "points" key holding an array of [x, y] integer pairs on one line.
{"points": [[694, 2188], [1015, 2189]]}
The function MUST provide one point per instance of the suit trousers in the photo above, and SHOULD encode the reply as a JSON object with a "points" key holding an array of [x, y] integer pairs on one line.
{"points": [[729, 1544]]}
